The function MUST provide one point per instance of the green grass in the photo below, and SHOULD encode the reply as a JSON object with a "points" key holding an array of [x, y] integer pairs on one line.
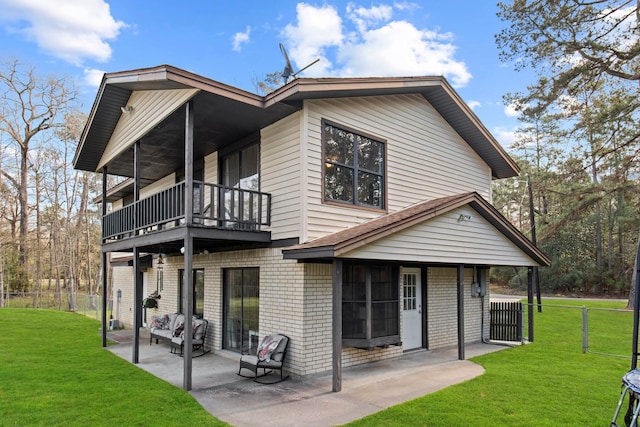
{"points": [[547, 383], [53, 371]]}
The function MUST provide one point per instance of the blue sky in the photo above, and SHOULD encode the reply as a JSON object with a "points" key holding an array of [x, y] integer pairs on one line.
{"points": [[236, 42]]}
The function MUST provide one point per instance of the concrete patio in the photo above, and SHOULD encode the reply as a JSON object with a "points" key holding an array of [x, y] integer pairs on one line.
{"points": [[308, 401]]}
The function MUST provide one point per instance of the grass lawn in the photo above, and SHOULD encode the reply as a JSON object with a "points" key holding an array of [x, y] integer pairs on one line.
{"points": [[547, 383], [53, 371]]}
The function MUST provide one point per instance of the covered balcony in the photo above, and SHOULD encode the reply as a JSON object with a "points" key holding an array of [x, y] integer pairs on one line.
{"points": [[222, 213]]}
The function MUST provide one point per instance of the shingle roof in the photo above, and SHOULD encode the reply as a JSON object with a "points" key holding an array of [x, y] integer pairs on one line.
{"points": [[341, 242]]}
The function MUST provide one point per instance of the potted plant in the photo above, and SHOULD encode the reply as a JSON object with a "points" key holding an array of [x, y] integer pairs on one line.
{"points": [[151, 301]]}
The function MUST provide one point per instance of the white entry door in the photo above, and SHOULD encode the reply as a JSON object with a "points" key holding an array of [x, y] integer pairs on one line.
{"points": [[411, 308]]}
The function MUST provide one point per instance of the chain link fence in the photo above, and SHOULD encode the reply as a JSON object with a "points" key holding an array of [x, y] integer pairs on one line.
{"points": [[595, 330], [86, 304]]}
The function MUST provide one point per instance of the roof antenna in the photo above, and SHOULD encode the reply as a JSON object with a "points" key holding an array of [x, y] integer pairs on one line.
{"points": [[288, 68]]}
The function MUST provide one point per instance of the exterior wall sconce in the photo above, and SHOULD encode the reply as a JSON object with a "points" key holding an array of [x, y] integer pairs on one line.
{"points": [[464, 217], [126, 109]]}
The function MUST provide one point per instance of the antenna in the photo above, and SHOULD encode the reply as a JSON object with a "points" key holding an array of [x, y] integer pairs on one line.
{"points": [[288, 68]]}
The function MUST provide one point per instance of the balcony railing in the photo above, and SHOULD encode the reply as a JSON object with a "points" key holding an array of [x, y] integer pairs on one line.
{"points": [[214, 206]]}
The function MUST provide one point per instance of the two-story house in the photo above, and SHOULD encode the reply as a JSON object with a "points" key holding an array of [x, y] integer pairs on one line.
{"points": [[352, 214]]}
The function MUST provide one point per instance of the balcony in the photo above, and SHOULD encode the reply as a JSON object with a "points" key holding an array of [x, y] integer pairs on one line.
{"points": [[214, 207]]}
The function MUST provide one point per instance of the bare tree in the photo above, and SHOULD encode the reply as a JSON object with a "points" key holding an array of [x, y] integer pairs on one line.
{"points": [[30, 106]]}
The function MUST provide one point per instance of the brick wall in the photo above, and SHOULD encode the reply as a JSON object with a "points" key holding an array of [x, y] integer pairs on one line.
{"points": [[442, 308], [296, 299]]}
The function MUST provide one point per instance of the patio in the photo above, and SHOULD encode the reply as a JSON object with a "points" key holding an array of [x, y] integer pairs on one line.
{"points": [[308, 401]]}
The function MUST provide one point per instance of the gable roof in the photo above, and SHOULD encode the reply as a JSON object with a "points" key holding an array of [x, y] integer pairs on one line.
{"points": [[341, 243], [228, 114]]}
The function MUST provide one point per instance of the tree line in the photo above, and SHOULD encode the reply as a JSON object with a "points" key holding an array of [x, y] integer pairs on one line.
{"points": [[49, 227], [579, 138]]}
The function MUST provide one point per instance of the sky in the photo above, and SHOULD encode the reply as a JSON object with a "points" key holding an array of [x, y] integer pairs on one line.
{"points": [[237, 43]]}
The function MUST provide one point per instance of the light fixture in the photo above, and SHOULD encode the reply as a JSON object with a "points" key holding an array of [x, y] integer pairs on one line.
{"points": [[182, 250], [464, 217], [126, 109]]}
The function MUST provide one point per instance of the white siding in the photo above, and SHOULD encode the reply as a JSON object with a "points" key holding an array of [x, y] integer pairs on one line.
{"points": [[150, 107], [280, 175], [153, 188], [159, 185], [446, 240], [210, 174], [426, 158]]}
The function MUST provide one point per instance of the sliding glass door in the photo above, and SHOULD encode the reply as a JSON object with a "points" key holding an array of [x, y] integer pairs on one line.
{"points": [[241, 309]]}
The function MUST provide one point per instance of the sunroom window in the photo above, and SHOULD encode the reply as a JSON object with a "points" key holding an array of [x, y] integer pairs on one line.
{"points": [[354, 167], [370, 306]]}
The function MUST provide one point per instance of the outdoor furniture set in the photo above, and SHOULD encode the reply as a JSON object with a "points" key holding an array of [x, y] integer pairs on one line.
{"points": [[269, 357], [170, 328]]}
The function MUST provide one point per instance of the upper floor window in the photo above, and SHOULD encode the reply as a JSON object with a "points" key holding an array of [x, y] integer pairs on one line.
{"points": [[354, 167]]}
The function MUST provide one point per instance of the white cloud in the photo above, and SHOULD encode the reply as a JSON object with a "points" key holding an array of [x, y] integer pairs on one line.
{"points": [[364, 18], [405, 5], [93, 77], [513, 109], [474, 104], [68, 29], [370, 43], [317, 29], [506, 137], [241, 38]]}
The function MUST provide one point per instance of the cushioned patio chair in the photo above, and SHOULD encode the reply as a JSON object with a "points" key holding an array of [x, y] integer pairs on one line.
{"points": [[269, 356], [200, 327]]}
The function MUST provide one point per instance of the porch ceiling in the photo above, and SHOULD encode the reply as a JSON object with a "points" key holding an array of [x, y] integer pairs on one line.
{"points": [[219, 122], [222, 114]]}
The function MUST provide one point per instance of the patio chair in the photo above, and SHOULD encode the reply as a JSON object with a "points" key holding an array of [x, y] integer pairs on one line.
{"points": [[197, 342], [269, 356]]}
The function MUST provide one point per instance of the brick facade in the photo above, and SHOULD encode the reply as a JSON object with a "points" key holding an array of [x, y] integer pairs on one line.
{"points": [[296, 299]]}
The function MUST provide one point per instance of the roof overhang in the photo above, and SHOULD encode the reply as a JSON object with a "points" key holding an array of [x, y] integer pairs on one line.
{"points": [[225, 114], [435, 89], [340, 244]]}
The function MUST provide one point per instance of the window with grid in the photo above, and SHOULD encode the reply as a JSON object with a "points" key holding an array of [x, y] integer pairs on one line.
{"points": [[354, 167], [370, 306]]}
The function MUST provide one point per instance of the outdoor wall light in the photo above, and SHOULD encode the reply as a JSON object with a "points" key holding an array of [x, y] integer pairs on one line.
{"points": [[182, 250], [126, 109], [464, 217]]}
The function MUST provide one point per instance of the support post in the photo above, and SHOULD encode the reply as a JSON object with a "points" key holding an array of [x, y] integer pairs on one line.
{"points": [[530, 302], [337, 324], [460, 294], [585, 330], [188, 245], [636, 311], [532, 218], [137, 283], [187, 281], [103, 260]]}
